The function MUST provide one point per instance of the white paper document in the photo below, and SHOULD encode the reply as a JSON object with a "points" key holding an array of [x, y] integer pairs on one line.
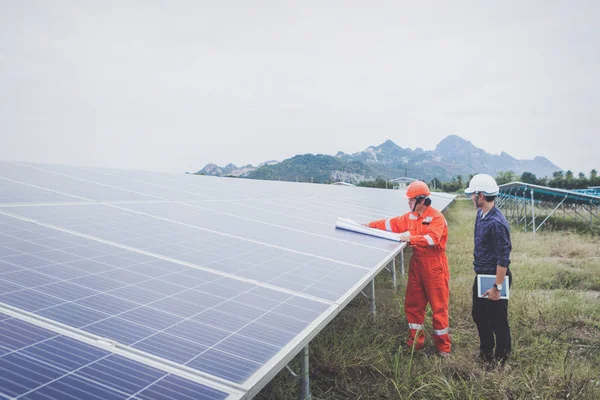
{"points": [[349, 225]]}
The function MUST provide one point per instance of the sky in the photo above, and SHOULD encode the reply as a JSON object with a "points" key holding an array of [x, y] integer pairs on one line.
{"points": [[173, 85]]}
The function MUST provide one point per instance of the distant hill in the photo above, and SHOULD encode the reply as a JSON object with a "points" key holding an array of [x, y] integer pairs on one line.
{"points": [[314, 168], [452, 156], [459, 151], [231, 170]]}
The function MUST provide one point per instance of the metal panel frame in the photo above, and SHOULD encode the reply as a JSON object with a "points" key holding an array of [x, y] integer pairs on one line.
{"points": [[515, 197]]}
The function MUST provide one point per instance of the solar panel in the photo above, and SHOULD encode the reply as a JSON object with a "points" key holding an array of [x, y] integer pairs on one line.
{"points": [[38, 363], [225, 277], [130, 184], [219, 253], [79, 188], [141, 301], [14, 192]]}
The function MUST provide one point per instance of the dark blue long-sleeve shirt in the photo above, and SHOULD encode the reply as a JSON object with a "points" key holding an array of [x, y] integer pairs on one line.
{"points": [[492, 242]]}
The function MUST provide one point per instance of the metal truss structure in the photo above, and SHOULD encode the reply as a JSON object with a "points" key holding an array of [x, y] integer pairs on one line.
{"points": [[531, 206]]}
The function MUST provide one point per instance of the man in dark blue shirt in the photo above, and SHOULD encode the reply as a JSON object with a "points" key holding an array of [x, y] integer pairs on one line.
{"points": [[490, 257]]}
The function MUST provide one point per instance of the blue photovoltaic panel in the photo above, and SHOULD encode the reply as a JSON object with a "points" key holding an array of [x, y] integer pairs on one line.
{"points": [[210, 189], [36, 363], [170, 310], [218, 275], [119, 225], [286, 218], [12, 192], [68, 185], [310, 275], [152, 189]]}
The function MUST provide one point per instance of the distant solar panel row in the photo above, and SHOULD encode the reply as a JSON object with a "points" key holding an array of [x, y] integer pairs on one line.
{"points": [[226, 277]]}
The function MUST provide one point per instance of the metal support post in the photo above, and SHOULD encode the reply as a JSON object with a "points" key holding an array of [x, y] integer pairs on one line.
{"points": [[517, 210], [593, 215], [305, 376], [402, 262], [532, 211], [577, 213], [372, 298], [520, 211], [394, 273], [524, 213], [553, 211]]}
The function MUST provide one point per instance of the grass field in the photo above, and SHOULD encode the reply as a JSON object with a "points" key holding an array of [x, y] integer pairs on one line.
{"points": [[554, 314]]}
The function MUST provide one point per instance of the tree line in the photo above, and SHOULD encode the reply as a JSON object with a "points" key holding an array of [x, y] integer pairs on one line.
{"points": [[560, 179]]}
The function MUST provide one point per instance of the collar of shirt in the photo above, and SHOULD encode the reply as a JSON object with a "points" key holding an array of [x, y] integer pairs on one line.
{"points": [[488, 213], [425, 213]]}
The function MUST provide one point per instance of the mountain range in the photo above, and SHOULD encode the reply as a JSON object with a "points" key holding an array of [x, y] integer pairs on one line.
{"points": [[452, 156]]}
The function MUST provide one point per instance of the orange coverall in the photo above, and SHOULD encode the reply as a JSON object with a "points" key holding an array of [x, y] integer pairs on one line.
{"points": [[428, 275]]}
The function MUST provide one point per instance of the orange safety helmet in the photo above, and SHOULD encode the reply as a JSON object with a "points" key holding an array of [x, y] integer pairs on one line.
{"points": [[416, 189]]}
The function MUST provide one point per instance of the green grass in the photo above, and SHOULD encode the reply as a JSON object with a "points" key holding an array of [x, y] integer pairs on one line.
{"points": [[554, 314], [561, 222]]}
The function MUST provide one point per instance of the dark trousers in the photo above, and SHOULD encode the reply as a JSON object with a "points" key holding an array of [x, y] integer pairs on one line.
{"points": [[491, 318]]}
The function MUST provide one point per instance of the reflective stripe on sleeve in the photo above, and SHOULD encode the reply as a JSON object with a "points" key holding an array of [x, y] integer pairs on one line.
{"points": [[429, 240], [388, 225]]}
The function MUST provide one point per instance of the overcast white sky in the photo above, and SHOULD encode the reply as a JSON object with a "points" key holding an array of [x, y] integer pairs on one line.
{"points": [[173, 85]]}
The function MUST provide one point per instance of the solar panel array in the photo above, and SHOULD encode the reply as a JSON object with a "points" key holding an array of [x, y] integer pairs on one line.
{"points": [[39, 363], [198, 284]]}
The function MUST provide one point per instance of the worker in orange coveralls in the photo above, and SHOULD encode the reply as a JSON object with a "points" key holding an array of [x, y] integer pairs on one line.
{"points": [[428, 275]]}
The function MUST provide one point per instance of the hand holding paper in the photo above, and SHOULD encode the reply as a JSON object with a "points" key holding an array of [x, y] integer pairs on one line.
{"points": [[350, 225], [405, 237]]}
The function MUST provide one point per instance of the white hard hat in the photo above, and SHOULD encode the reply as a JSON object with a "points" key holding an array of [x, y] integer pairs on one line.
{"points": [[483, 183]]}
